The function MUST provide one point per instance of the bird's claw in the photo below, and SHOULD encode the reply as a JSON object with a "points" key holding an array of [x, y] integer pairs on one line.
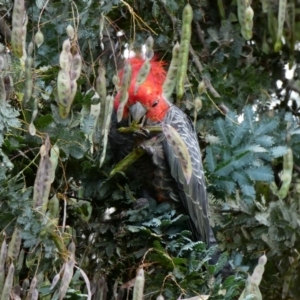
{"points": [[148, 146]]}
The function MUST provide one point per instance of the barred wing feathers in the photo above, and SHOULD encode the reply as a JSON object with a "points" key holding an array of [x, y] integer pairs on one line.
{"points": [[193, 193]]}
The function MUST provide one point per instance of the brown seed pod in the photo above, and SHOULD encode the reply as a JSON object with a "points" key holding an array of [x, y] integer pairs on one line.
{"points": [[8, 283], [14, 244], [17, 27]]}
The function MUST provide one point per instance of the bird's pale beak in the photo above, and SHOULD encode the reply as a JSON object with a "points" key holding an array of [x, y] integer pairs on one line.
{"points": [[137, 112]]}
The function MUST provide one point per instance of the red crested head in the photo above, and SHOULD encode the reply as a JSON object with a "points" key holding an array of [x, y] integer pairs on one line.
{"points": [[149, 93]]}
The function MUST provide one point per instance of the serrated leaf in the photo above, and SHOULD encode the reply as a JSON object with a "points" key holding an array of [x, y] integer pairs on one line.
{"points": [[263, 173], [262, 218], [226, 185], [210, 160], [221, 130], [248, 190], [264, 140], [279, 151]]}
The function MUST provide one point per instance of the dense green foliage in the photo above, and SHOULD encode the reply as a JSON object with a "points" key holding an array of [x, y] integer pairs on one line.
{"points": [[248, 131]]}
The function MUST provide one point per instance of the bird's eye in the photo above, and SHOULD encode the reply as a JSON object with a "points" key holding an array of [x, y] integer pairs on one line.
{"points": [[155, 103]]}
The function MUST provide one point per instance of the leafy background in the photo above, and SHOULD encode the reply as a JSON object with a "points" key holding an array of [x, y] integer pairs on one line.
{"points": [[243, 134]]}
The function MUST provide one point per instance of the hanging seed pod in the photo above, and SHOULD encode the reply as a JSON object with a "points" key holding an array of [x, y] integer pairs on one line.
{"points": [[20, 261], [3, 255], [95, 137], [3, 94], [67, 277], [249, 13], [122, 105], [65, 60], [101, 28], [73, 92], [197, 103], [180, 150], [123, 90], [53, 206], [281, 19], [28, 80], [170, 81], [17, 27], [101, 91], [116, 82], [14, 244], [32, 288], [54, 160], [149, 53], [25, 286], [39, 38], [72, 248], [70, 31], [245, 16], [8, 283], [186, 32], [257, 274], [105, 131], [160, 297], [31, 128], [76, 67], [54, 281], [34, 295], [30, 49], [101, 86], [142, 75], [287, 173], [42, 181], [201, 87], [64, 88], [138, 290], [66, 45]]}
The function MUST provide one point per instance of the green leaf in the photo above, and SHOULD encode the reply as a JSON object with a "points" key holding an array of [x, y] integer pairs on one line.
{"points": [[279, 151], [248, 190], [263, 173]]}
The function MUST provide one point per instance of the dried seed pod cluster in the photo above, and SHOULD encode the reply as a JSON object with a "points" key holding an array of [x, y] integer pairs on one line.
{"points": [[67, 78], [245, 16], [18, 33], [186, 31]]}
